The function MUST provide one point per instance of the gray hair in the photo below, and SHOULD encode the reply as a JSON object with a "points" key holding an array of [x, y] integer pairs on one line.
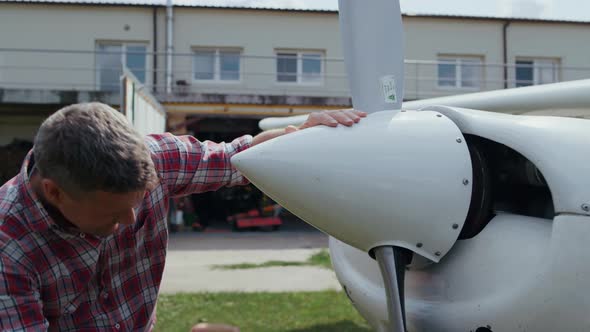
{"points": [[89, 147]]}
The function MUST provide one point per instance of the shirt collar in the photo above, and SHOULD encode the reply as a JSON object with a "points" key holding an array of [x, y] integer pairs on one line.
{"points": [[36, 215]]}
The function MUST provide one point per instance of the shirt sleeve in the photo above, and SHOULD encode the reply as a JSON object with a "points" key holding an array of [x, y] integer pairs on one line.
{"points": [[186, 166], [21, 308]]}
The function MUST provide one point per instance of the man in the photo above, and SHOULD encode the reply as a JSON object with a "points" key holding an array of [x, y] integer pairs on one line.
{"points": [[83, 232]]}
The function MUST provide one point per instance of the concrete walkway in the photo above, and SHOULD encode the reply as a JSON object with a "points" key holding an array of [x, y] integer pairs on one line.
{"points": [[191, 270]]}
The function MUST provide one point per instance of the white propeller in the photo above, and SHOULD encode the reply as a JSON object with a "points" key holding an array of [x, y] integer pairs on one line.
{"points": [[373, 45]]}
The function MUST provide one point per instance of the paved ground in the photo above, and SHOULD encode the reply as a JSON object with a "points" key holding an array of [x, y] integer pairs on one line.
{"points": [[279, 240], [191, 257]]}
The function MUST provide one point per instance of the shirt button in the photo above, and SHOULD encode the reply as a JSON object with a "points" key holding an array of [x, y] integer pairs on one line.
{"points": [[82, 235], [105, 295], [117, 326]]}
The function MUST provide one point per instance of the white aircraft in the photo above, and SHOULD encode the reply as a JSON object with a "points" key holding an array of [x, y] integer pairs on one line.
{"points": [[442, 218]]}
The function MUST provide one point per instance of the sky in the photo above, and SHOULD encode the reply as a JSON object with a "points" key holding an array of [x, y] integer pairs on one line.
{"points": [[576, 10]]}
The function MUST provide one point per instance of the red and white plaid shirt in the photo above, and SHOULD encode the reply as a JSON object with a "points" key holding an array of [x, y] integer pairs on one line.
{"points": [[59, 279]]}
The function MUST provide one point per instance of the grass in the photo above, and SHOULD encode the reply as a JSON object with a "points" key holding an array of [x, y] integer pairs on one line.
{"points": [[327, 311], [321, 259]]}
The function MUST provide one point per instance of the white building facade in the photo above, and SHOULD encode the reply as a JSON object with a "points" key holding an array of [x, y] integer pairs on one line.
{"points": [[254, 62]]}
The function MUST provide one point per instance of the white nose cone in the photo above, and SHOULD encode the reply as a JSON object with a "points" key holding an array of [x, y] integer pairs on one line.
{"points": [[402, 181]]}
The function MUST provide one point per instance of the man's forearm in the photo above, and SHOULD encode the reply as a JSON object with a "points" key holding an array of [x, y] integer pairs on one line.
{"points": [[266, 135], [325, 118]]}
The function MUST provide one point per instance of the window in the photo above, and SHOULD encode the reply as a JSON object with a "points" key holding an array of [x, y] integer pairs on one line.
{"points": [[536, 71], [300, 67], [460, 72], [216, 65], [109, 60]]}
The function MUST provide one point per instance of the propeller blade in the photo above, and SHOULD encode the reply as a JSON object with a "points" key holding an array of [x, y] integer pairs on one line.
{"points": [[373, 46]]}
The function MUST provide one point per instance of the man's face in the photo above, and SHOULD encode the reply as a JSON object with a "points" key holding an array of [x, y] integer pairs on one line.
{"points": [[100, 213]]}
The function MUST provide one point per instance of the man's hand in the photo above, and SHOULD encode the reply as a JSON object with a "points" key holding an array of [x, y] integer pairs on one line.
{"points": [[330, 118], [325, 118]]}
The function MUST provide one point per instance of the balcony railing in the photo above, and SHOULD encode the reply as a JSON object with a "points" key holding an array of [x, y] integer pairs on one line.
{"points": [[77, 70]]}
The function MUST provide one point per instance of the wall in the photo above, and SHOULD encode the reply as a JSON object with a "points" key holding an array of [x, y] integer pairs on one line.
{"points": [[259, 34], [62, 27]]}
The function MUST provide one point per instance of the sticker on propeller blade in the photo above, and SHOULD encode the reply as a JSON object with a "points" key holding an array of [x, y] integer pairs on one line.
{"points": [[388, 88]]}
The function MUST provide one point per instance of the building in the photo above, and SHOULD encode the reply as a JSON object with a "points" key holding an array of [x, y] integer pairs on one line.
{"points": [[248, 63]]}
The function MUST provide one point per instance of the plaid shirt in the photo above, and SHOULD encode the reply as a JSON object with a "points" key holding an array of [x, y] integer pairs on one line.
{"points": [[59, 279]]}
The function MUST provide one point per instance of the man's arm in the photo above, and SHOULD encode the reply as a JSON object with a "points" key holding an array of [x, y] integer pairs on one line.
{"points": [[187, 165], [20, 304], [326, 118]]}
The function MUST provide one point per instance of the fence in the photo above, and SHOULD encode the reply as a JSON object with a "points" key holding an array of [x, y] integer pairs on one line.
{"points": [[235, 73]]}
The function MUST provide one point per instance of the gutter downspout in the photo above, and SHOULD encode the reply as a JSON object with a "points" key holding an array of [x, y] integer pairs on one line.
{"points": [[505, 48], [169, 47], [155, 50]]}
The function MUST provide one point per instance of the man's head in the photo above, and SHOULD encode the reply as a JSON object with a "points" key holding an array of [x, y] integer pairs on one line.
{"points": [[93, 166]]}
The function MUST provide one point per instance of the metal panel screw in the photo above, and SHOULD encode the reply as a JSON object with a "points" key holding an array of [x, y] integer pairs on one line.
{"points": [[455, 226], [459, 140], [419, 245], [437, 253], [586, 207], [465, 181]]}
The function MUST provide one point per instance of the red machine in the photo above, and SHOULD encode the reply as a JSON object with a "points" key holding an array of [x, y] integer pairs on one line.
{"points": [[268, 219]]}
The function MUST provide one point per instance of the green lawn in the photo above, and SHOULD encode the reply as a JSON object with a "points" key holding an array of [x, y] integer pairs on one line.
{"points": [[328, 311]]}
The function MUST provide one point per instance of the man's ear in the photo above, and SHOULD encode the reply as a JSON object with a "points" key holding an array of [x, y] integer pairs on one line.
{"points": [[52, 192]]}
